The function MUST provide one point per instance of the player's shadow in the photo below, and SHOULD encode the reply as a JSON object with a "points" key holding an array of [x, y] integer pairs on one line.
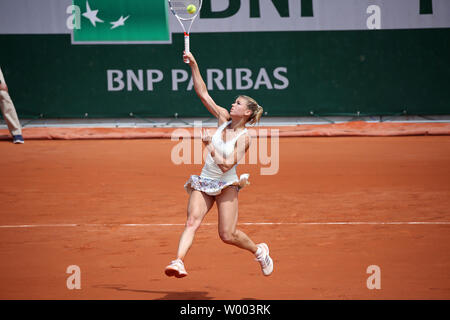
{"points": [[169, 295]]}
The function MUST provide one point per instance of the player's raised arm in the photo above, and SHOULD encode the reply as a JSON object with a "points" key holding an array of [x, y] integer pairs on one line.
{"points": [[202, 92]]}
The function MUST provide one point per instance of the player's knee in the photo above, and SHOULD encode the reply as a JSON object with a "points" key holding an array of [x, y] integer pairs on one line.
{"points": [[3, 94], [227, 236], [3, 88], [193, 222]]}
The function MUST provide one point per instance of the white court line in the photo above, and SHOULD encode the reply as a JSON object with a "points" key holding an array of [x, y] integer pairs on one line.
{"points": [[215, 224], [39, 225]]}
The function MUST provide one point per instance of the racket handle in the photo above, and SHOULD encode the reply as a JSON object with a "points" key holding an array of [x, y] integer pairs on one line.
{"points": [[186, 45]]}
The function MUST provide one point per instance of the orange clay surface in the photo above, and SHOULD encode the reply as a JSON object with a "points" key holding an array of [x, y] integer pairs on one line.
{"points": [[99, 204]]}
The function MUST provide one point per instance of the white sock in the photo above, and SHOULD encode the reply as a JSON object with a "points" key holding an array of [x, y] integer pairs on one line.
{"points": [[258, 252]]}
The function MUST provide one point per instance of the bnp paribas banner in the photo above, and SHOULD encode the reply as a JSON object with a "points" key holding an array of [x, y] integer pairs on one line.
{"points": [[104, 58]]}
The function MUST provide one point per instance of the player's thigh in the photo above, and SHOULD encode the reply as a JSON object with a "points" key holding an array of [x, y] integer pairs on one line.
{"points": [[199, 205], [227, 205]]}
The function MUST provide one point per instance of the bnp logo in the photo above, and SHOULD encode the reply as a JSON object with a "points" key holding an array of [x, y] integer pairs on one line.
{"points": [[118, 21], [282, 6]]}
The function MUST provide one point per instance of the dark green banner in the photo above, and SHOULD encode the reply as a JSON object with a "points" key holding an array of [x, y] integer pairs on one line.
{"points": [[372, 72]]}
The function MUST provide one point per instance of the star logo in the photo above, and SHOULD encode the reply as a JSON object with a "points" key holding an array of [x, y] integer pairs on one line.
{"points": [[119, 22], [91, 14]]}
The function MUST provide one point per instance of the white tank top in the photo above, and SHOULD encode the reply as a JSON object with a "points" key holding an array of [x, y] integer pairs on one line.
{"points": [[211, 169]]}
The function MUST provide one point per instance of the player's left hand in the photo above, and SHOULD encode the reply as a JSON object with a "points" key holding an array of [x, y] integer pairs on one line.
{"points": [[206, 137]]}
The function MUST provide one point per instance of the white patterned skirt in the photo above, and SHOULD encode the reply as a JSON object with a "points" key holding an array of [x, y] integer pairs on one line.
{"points": [[214, 187]]}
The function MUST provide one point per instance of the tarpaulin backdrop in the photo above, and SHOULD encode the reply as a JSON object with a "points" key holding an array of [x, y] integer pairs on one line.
{"points": [[102, 58]]}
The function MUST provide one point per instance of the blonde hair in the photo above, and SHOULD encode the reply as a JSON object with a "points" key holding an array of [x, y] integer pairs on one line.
{"points": [[255, 108]]}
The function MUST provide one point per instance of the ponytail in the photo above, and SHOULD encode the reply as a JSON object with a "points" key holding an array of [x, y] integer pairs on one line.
{"points": [[255, 108]]}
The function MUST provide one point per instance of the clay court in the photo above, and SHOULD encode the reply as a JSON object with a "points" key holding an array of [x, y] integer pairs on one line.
{"points": [[116, 209]]}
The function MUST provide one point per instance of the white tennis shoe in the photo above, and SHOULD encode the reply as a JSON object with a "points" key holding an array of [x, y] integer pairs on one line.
{"points": [[176, 268], [243, 180], [265, 260]]}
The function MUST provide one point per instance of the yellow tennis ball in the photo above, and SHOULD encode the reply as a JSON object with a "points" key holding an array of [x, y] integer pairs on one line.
{"points": [[191, 9]]}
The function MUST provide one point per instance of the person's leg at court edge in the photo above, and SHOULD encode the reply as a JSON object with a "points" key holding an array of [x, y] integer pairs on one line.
{"points": [[9, 112]]}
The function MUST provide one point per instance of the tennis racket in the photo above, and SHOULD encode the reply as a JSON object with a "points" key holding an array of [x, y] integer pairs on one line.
{"points": [[179, 9]]}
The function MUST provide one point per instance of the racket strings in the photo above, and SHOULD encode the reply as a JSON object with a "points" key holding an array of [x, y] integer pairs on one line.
{"points": [[179, 8], [184, 3]]}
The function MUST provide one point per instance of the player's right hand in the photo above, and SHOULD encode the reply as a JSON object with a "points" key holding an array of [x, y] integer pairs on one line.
{"points": [[189, 56]]}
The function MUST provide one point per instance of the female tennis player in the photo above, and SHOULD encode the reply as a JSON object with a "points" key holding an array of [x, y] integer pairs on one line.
{"points": [[218, 181]]}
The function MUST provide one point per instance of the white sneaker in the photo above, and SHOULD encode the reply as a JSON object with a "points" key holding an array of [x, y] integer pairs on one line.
{"points": [[243, 180], [176, 268], [265, 260]]}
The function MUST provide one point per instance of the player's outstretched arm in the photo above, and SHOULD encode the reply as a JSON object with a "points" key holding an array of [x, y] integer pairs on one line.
{"points": [[202, 92]]}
